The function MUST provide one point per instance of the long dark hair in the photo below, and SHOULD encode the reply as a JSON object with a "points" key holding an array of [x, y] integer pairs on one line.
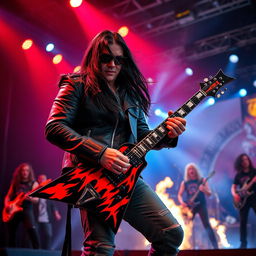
{"points": [[130, 81], [238, 163], [16, 180]]}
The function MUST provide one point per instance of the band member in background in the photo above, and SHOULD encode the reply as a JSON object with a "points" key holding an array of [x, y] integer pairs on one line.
{"points": [[194, 183], [23, 181], [243, 190], [47, 212], [94, 113]]}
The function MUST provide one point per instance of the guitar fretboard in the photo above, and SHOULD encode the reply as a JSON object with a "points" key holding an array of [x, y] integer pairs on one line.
{"points": [[156, 135]]}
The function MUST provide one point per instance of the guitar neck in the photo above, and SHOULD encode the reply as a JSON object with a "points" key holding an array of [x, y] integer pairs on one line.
{"points": [[203, 183], [192, 199], [156, 135], [209, 88], [249, 184]]}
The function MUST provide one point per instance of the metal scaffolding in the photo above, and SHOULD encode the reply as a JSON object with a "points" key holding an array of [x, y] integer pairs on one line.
{"points": [[152, 18]]}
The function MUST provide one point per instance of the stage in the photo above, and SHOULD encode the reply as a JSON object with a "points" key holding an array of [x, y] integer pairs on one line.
{"points": [[220, 252]]}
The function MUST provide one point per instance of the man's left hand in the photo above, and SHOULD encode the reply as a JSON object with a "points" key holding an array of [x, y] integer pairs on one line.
{"points": [[175, 125]]}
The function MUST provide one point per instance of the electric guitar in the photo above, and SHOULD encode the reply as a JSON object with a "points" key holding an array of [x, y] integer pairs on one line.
{"points": [[243, 193], [187, 211], [109, 192], [14, 206]]}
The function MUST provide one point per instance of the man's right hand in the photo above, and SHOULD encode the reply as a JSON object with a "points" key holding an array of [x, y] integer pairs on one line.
{"points": [[114, 161], [236, 198]]}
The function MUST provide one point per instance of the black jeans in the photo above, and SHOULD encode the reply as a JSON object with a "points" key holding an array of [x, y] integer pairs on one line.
{"points": [[46, 234], [203, 213], [28, 219], [250, 203], [147, 214]]}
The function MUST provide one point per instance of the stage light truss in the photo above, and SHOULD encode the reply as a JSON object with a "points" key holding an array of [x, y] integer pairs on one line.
{"points": [[216, 44], [152, 18], [213, 45], [126, 8]]}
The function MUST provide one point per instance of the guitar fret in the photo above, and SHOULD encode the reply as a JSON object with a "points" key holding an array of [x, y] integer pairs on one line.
{"points": [[149, 141], [146, 145], [161, 129], [186, 108], [190, 104], [136, 152], [181, 112], [201, 93], [142, 148], [155, 136], [195, 100], [159, 133], [139, 149]]}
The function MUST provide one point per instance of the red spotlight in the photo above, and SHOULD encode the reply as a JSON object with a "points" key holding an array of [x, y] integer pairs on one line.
{"points": [[77, 69], [123, 31], [27, 44], [75, 3], [57, 59]]}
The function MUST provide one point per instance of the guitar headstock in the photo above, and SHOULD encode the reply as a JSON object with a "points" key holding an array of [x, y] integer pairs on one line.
{"points": [[211, 173], [214, 84]]}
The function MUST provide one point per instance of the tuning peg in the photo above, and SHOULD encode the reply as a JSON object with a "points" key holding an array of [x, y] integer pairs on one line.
{"points": [[218, 95], [222, 92], [206, 79]]}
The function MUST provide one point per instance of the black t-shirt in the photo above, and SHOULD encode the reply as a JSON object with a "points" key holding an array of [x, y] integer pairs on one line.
{"points": [[243, 177], [191, 187], [24, 187]]}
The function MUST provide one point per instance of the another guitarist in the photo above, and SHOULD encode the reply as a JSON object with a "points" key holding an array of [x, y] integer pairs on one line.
{"points": [[243, 194], [193, 182], [94, 113], [23, 181]]}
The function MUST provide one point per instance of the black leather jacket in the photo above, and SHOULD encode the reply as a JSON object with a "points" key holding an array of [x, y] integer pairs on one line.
{"points": [[83, 130]]}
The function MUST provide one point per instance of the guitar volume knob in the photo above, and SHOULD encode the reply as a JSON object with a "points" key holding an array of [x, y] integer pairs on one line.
{"points": [[118, 197]]}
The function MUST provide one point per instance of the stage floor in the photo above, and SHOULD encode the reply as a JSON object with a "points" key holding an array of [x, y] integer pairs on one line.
{"points": [[220, 252]]}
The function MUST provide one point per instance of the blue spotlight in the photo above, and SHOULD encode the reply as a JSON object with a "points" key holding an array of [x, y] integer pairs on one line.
{"points": [[254, 83], [233, 58], [210, 101], [49, 47], [242, 92], [189, 71], [159, 112]]}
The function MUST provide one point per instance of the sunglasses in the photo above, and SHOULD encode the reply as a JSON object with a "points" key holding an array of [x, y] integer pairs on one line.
{"points": [[106, 58]]}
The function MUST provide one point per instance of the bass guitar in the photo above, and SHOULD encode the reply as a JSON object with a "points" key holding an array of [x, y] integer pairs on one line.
{"points": [[243, 193], [187, 211], [110, 192]]}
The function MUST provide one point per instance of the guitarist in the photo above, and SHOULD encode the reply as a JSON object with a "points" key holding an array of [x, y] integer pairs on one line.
{"points": [[194, 183], [23, 181], [246, 173], [94, 113]]}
